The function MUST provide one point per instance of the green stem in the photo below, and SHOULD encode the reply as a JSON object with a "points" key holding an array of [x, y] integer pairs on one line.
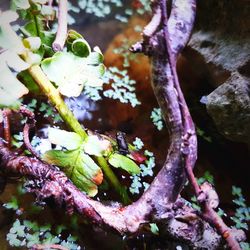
{"points": [[55, 98], [121, 190]]}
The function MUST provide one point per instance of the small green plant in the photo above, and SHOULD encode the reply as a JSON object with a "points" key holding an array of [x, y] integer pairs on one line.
{"points": [[25, 233], [242, 214], [123, 88], [203, 135], [123, 50], [156, 117], [146, 169], [154, 228]]}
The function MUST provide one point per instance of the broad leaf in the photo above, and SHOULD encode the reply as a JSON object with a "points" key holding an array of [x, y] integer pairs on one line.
{"points": [[20, 4], [94, 145], [32, 43], [121, 161], [8, 37], [79, 167], [11, 89], [70, 73], [69, 140]]}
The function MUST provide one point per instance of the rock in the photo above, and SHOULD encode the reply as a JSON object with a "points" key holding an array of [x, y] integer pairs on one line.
{"points": [[229, 106]]}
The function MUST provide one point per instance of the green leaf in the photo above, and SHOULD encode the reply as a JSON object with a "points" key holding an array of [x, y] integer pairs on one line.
{"points": [[70, 73], [154, 228], [29, 29], [72, 36], [11, 89], [40, 1], [32, 43], [121, 161], [13, 61], [69, 140], [79, 167], [80, 47], [20, 4], [8, 37], [94, 145]]}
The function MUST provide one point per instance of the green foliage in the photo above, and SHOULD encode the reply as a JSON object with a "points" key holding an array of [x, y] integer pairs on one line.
{"points": [[76, 162], [12, 204], [70, 72], [245, 245], [146, 169], [95, 145], [154, 228], [138, 143], [99, 8], [77, 165], [17, 140], [103, 8], [63, 138], [27, 234], [242, 214], [121, 161], [49, 111], [13, 47], [206, 177], [123, 50], [123, 88], [203, 135], [156, 117]]}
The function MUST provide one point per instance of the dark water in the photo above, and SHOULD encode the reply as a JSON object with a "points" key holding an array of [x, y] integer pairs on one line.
{"points": [[228, 162]]}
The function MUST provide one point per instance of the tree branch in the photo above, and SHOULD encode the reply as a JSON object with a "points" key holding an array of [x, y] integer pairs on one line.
{"points": [[48, 181]]}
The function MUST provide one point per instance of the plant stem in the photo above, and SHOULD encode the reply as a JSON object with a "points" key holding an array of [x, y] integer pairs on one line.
{"points": [[55, 98], [121, 190], [61, 34]]}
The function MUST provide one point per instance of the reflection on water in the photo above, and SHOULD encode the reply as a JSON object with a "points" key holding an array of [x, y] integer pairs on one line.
{"points": [[82, 107]]}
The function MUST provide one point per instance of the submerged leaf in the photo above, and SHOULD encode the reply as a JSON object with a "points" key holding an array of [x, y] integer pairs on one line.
{"points": [[79, 167], [121, 161], [69, 140]]}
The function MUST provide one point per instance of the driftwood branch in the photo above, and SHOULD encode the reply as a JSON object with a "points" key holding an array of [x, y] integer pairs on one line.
{"points": [[163, 40], [46, 181]]}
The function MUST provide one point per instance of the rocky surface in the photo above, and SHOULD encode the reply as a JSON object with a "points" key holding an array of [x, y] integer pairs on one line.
{"points": [[229, 106], [223, 39]]}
